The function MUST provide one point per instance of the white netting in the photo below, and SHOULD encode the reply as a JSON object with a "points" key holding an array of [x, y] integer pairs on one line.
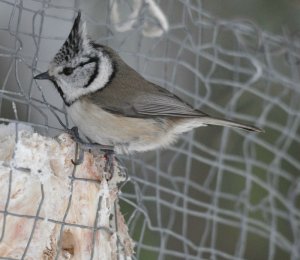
{"points": [[218, 193]]}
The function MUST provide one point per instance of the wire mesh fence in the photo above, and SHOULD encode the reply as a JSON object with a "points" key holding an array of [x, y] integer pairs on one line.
{"points": [[218, 193]]}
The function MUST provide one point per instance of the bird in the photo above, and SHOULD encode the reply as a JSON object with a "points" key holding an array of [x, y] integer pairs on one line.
{"points": [[113, 105]]}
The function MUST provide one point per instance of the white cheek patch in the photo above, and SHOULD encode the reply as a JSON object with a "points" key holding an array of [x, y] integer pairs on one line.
{"points": [[105, 70]]}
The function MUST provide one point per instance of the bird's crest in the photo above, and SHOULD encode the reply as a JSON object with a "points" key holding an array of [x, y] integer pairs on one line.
{"points": [[76, 44]]}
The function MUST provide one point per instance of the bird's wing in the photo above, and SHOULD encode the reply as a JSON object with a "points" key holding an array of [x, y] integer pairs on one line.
{"points": [[162, 104], [149, 101], [129, 94]]}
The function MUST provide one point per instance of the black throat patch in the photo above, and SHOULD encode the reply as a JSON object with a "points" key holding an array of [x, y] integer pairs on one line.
{"points": [[61, 93]]}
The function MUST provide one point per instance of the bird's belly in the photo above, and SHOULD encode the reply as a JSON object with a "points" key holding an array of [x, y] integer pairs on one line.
{"points": [[125, 133]]}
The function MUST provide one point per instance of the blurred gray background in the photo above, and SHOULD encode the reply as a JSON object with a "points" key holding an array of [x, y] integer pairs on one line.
{"points": [[273, 16]]}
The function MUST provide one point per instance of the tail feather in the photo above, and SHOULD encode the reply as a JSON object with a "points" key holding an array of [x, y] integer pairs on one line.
{"points": [[225, 122]]}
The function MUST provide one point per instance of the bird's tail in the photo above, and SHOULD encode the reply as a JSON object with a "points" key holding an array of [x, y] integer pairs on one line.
{"points": [[224, 122], [187, 124]]}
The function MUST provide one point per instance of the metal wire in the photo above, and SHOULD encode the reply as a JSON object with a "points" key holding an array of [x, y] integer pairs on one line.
{"points": [[218, 193]]}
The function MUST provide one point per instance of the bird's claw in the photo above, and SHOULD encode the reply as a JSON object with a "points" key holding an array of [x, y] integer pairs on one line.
{"points": [[80, 158], [73, 132], [109, 164]]}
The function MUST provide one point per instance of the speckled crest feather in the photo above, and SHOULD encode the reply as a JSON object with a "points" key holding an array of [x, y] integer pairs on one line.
{"points": [[75, 44]]}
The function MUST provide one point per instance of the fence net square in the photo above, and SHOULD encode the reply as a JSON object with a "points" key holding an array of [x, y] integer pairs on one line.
{"points": [[218, 193]]}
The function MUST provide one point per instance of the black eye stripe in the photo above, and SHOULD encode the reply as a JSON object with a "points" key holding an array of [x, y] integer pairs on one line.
{"points": [[81, 64], [91, 60]]}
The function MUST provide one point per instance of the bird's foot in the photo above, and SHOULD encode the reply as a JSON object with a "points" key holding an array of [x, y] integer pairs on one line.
{"points": [[109, 156], [73, 132]]}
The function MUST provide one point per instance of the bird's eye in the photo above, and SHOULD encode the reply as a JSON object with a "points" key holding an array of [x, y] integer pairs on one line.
{"points": [[68, 71]]}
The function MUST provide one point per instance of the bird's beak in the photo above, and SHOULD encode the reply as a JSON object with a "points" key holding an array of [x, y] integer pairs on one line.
{"points": [[44, 75]]}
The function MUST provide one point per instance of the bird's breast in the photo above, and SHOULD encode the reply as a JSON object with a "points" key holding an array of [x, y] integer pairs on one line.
{"points": [[110, 129]]}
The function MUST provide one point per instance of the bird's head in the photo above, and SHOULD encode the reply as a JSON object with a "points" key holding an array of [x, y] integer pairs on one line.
{"points": [[80, 67]]}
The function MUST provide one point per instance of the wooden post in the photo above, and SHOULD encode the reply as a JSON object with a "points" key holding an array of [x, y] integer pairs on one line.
{"points": [[51, 209]]}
